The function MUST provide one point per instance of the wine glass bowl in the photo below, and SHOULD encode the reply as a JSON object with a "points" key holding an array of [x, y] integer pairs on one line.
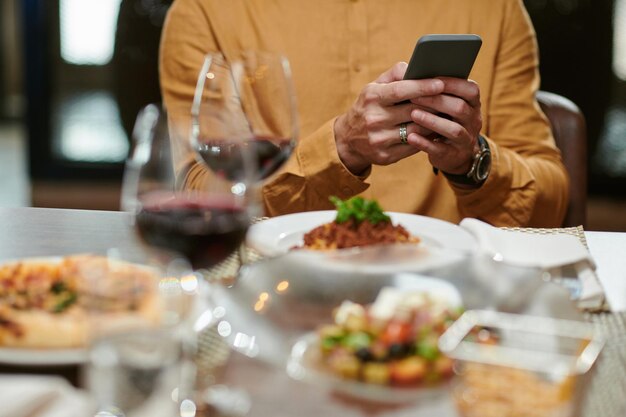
{"points": [[244, 101], [205, 224]]}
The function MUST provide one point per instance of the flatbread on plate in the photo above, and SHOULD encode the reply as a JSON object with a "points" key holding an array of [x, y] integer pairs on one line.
{"points": [[55, 303]]}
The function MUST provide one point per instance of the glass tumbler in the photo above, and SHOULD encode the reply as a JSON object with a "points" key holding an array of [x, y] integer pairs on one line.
{"points": [[519, 365]]}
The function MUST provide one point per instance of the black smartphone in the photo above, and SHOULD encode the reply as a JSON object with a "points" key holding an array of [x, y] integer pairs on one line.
{"points": [[443, 56]]}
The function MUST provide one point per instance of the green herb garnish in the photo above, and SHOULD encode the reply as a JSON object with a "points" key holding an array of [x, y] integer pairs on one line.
{"points": [[359, 209], [65, 302], [58, 287]]}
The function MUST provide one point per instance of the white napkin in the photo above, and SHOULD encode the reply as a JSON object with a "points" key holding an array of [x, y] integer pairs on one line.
{"points": [[40, 396], [552, 253]]}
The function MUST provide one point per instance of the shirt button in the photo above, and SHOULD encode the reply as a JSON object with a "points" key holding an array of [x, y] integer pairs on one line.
{"points": [[356, 68]]}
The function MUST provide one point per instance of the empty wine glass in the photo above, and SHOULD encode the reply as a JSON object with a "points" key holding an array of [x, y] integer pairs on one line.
{"points": [[244, 101], [141, 345], [206, 224]]}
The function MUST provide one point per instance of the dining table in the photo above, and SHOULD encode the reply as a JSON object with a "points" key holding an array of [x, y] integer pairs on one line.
{"points": [[27, 232]]}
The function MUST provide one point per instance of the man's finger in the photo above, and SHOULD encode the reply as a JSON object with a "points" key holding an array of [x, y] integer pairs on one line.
{"points": [[395, 73], [399, 91], [454, 106], [394, 115], [468, 90], [446, 128]]}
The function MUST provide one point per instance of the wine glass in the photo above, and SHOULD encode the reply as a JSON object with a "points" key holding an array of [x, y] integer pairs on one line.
{"points": [[141, 349], [244, 100], [205, 224], [244, 115]]}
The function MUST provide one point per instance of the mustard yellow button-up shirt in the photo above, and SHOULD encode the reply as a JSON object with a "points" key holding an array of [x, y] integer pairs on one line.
{"points": [[336, 47]]}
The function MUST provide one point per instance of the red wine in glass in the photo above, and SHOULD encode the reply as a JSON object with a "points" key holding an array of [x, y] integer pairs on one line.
{"points": [[205, 231], [225, 157]]}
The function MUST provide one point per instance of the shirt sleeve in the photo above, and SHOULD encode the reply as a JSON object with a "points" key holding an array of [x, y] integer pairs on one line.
{"points": [[528, 184], [185, 39], [312, 173]]}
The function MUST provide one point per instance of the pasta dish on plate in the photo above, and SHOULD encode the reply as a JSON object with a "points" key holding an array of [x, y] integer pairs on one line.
{"points": [[358, 223]]}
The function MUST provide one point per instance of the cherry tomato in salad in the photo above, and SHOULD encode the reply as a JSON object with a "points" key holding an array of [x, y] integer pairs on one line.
{"points": [[397, 332]]}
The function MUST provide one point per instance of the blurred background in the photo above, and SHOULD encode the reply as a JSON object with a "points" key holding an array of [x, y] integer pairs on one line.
{"points": [[74, 73]]}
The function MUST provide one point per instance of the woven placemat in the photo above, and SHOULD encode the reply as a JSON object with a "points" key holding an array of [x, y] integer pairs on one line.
{"points": [[578, 231], [606, 392]]}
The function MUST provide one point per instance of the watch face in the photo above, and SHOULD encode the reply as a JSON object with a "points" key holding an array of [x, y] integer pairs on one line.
{"points": [[484, 166]]}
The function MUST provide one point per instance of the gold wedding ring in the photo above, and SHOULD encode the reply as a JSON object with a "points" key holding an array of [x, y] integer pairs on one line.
{"points": [[403, 134]]}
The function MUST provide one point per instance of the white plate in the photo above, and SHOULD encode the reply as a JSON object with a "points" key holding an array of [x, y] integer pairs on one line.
{"points": [[441, 242], [305, 363], [42, 357]]}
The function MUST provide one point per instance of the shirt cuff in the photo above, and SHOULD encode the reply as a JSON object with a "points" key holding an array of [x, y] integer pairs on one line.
{"points": [[322, 167], [482, 201]]}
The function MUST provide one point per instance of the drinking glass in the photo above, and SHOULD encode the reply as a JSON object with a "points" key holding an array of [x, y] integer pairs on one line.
{"points": [[141, 354], [205, 224], [245, 100]]}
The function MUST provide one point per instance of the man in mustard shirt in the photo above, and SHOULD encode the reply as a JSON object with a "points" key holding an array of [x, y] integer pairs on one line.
{"points": [[347, 62]]}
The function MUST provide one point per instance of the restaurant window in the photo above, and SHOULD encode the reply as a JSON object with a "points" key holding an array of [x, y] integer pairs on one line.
{"points": [[91, 65], [86, 120], [619, 45], [610, 158], [88, 30], [582, 45]]}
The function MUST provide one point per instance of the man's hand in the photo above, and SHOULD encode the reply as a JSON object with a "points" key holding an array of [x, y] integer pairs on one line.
{"points": [[369, 132], [457, 140]]}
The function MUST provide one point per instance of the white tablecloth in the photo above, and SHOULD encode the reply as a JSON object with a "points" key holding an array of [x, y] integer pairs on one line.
{"points": [[609, 251]]}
